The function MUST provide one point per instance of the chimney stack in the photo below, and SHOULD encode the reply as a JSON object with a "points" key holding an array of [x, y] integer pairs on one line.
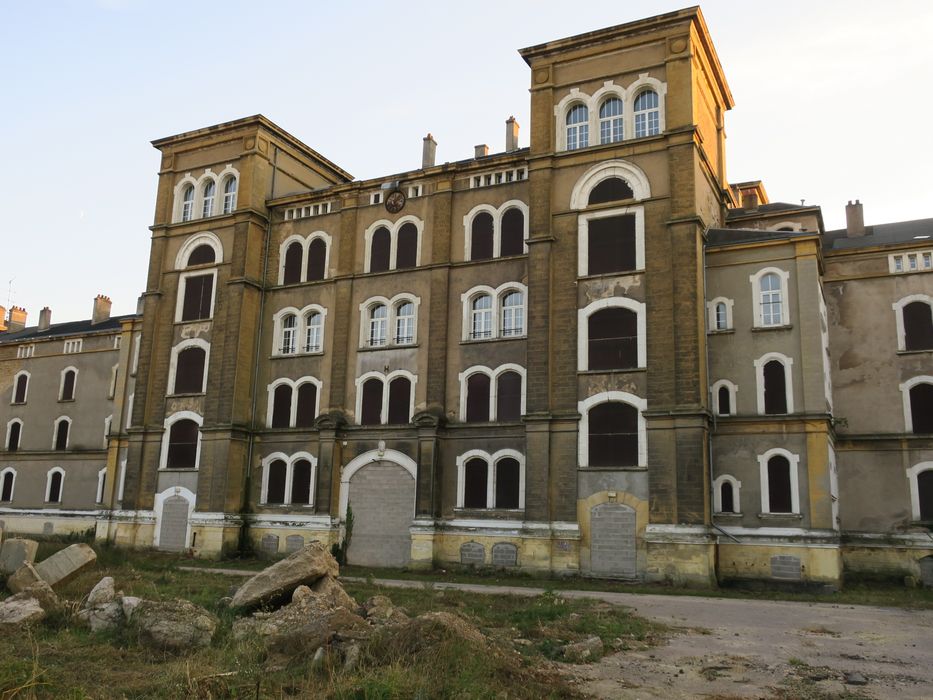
{"points": [[2, 319], [101, 310], [855, 220], [511, 135], [480, 151], [428, 152], [17, 318], [45, 319], [750, 200]]}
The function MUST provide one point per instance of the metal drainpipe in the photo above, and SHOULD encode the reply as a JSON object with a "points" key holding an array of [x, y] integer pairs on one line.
{"points": [[244, 527], [709, 440]]}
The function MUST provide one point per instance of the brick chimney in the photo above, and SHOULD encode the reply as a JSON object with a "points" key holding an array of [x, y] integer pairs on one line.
{"points": [[511, 135], [17, 318], [101, 311], [480, 151], [45, 318], [750, 200], [855, 220], [428, 152], [2, 319]]}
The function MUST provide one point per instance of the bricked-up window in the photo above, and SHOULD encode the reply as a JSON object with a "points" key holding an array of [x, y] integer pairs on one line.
{"points": [[189, 371], [22, 383], [921, 408], [507, 483], [292, 272], [281, 406], [918, 326], [475, 474], [61, 434], [307, 405], [399, 401], [6, 486], [726, 497], [301, 482], [197, 302], [55, 486], [481, 237], [723, 402], [613, 435], [925, 494], [275, 484], [612, 189], [613, 339], [775, 388], [12, 443], [779, 491], [317, 257], [477, 401], [68, 385], [406, 254], [182, 445], [611, 244], [379, 250], [513, 233], [509, 396], [202, 255], [371, 403]]}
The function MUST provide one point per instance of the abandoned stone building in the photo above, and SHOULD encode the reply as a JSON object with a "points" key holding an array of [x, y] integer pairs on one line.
{"points": [[591, 355]]}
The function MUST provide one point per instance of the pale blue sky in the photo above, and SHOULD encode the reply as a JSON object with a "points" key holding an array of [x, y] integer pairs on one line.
{"points": [[832, 103]]}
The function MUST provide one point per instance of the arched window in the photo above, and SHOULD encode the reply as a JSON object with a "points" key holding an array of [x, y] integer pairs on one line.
{"points": [[481, 317], [724, 402], [380, 250], [202, 254], [187, 203], [22, 384], [482, 236], [371, 403], [54, 484], [62, 427], [779, 485], [578, 129], [475, 480], [317, 259], [289, 333], [508, 396], [775, 388], [771, 313], [293, 255], [925, 494], [726, 497], [230, 187], [301, 482], [406, 254], [610, 120], [513, 233], [306, 410], [183, 445], [189, 371], [513, 314], [378, 320], [68, 385], [7, 481], [399, 409], [282, 406], [613, 435], [647, 114], [612, 189], [207, 199], [918, 326], [508, 478], [613, 339], [314, 332], [14, 432], [477, 400], [722, 316], [921, 408], [276, 477], [405, 323]]}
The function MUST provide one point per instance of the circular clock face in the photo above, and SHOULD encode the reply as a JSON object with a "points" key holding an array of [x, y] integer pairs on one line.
{"points": [[395, 201]]}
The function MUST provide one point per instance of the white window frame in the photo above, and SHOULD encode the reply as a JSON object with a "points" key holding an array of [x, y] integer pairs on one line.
{"points": [[166, 428], [293, 410], [794, 461], [21, 373], [137, 342], [9, 431], [386, 381], [633, 175], [25, 351], [182, 287], [228, 200], [178, 206], [101, 479], [108, 424], [305, 242], [913, 474], [188, 202], [492, 462], [129, 412], [496, 213], [755, 280], [583, 335], [583, 407], [204, 204], [278, 329], [48, 485], [498, 294], [112, 390], [391, 305], [3, 473], [611, 120], [194, 241], [583, 233], [711, 314], [493, 375], [905, 388], [393, 240], [306, 325], [173, 362], [736, 494], [55, 431], [714, 397], [760, 363], [289, 473], [898, 307], [646, 113], [61, 384], [73, 346]]}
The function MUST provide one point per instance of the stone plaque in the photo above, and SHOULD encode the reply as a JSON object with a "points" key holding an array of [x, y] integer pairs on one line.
{"points": [[270, 544], [293, 543], [504, 554]]}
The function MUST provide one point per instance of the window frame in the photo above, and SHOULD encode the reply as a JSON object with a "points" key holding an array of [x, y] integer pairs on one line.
{"points": [[48, 485], [583, 237], [9, 432], [290, 461], [736, 495], [166, 427], [228, 198], [711, 305], [583, 447], [182, 289], [101, 482], [493, 375], [899, 307], [74, 384], [206, 201], [386, 380], [905, 388], [55, 425], [714, 397], [497, 294], [583, 335], [755, 280], [492, 460], [16, 378], [293, 411], [913, 476], [794, 462], [3, 474], [391, 304], [305, 242], [393, 228], [173, 363], [301, 329], [497, 214], [788, 363]]}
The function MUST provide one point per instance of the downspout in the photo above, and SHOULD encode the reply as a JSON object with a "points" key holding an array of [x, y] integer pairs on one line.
{"points": [[709, 438], [244, 508]]}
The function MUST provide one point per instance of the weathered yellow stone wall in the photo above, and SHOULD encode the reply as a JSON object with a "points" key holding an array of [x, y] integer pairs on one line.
{"points": [[752, 561]]}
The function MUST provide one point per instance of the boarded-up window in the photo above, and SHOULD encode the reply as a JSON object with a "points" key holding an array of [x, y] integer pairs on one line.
{"points": [[307, 404], [477, 399], [925, 494], [513, 233], [182, 445], [61, 435], [613, 438], [475, 473], [610, 190], [921, 408], [509, 396], [282, 406], [406, 255], [918, 326], [507, 483], [371, 403], [611, 244], [727, 500], [379, 249], [197, 302], [202, 255], [775, 387], [275, 484], [189, 371], [6, 491], [317, 258], [399, 401], [301, 482], [68, 385], [12, 444], [613, 339], [55, 487], [724, 407], [22, 383], [481, 235], [292, 272], [779, 496]]}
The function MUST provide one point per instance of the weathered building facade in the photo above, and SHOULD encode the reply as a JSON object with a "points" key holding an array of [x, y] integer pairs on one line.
{"points": [[589, 355]]}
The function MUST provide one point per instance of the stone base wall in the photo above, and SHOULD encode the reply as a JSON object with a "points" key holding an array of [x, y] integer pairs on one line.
{"points": [[48, 523], [781, 562]]}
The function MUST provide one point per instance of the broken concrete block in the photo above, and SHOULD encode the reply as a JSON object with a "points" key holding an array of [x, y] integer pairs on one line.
{"points": [[63, 566], [24, 577], [15, 552], [17, 614]]}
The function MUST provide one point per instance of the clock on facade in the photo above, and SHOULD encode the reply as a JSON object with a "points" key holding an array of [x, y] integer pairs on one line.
{"points": [[395, 200]]}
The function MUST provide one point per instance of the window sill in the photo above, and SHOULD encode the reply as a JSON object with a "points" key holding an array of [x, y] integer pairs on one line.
{"points": [[924, 351], [488, 511], [727, 515], [185, 395], [390, 346], [287, 506], [780, 516], [66, 401], [765, 329], [17, 403], [603, 275], [612, 371], [178, 469], [192, 321], [629, 468], [721, 331], [480, 341], [280, 356]]}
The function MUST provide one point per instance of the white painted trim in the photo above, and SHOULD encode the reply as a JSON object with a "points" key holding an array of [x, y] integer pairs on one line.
{"points": [[48, 485], [631, 173], [294, 384], [202, 238], [182, 287], [714, 397], [55, 430], [898, 307], [583, 236], [786, 225], [367, 458], [129, 411], [108, 424], [905, 388], [492, 461], [289, 476], [755, 280], [159, 503], [497, 214], [736, 491], [912, 480], [493, 375], [793, 460], [122, 482], [3, 473], [166, 433], [173, 361], [386, 380], [74, 385], [645, 82], [101, 481], [583, 447], [305, 243], [21, 373], [711, 313], [393, 239], [788, 363], [391, 305], [9, 429], [497, 294], [178, 197], [583, 335]]}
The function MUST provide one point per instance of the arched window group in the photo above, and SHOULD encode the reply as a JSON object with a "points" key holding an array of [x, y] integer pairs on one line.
{"points": [[299, 332], [490, 313], [491, 480], [393, 246], [496, 233], [611, 335], [195, 284], [288, 480], [304, 259], [198, 198], [293, 403], [385, 399], [492, 395], [389, 322]]}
